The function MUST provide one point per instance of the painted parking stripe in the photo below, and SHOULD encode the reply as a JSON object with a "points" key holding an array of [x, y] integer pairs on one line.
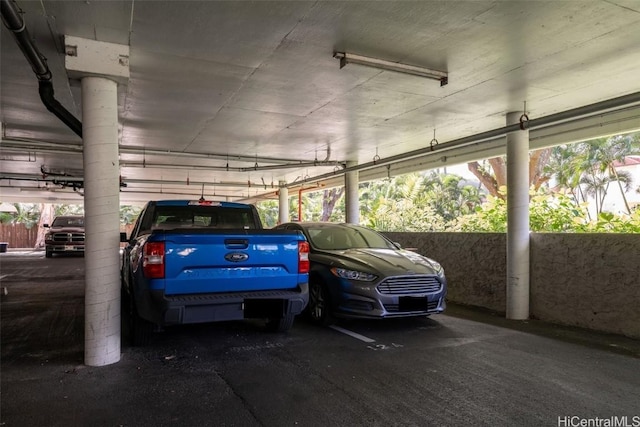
{"points": [[352, 334]]}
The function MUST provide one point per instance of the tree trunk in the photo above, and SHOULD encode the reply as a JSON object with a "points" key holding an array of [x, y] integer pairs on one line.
{"points": [[46, 217], [537, 160], [622, 192], [485, 178], [499, 167], [329, 200]]}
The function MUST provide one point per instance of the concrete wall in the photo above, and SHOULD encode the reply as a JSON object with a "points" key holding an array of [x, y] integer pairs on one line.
{"points": [[586, 280]]}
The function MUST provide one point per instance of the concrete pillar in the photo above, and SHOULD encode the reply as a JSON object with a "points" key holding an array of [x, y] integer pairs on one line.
{"points": [[283, 203], [352, 197], [100, 67], [517, 221], [102, 220]]}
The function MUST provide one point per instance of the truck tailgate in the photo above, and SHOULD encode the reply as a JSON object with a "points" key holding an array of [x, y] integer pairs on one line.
{"points": [[208, 263]]}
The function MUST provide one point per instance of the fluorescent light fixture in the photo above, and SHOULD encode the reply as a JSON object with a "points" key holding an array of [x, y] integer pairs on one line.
{"points": [[350, 58]]}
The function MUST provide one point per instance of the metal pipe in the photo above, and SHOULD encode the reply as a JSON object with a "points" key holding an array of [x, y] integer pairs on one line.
{"points": [[45, 88], [14, 22], [223, 168], [565, 116], [300, 204], [43, 146]]}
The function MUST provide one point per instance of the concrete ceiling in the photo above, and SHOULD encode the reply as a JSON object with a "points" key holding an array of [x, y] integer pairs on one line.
{"points": [[254, 85]]}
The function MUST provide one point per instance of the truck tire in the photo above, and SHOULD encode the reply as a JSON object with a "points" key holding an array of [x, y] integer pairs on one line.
{"points": [[141, 331], [281, 324], [48, 253]]}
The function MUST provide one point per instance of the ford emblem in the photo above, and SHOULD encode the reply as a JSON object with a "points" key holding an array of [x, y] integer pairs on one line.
{"points": [[236, 256]]}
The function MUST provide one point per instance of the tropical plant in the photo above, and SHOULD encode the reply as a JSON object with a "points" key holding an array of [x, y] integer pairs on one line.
{"points": [[25, 213], [587, 169], [449, 196], [405, 215], [491, 216], [571, 174], [547, 213], [60, 210], [268, 211], [129, 214]]}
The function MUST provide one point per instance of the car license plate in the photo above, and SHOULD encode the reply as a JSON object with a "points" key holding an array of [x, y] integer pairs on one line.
{"points": [[69, 248], [413, 303]]}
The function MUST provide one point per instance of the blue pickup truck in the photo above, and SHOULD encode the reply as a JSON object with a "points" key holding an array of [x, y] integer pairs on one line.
{"points": [[202, 261]]}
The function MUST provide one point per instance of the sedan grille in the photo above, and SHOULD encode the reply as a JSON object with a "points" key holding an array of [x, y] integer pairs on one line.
{"points": [[68, 237], [424, 306], [403, 285]]}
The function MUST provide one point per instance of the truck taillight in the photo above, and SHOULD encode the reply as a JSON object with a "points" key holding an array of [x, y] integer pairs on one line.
{"points": [[303, 257], [153, 262]]}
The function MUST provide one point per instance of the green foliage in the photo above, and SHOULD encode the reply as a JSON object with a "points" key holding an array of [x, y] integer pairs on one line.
{"points": [[26, 213], [60, 210], [491, 216], [268, 213], [611, 223], [547, 213], [417, 202], [444, 202], [29, 213], [554, 213], [587, 169], [405, 215], [129, 214]]}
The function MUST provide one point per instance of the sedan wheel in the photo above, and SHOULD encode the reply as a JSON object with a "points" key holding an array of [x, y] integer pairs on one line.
{"points": [[319, 308]]}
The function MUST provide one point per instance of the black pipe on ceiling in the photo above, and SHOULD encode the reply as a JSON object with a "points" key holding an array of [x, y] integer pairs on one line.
{"points": [[14, 22]]}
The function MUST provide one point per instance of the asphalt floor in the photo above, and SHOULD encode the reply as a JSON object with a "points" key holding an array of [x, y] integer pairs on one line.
{"points": [[466, 367]]}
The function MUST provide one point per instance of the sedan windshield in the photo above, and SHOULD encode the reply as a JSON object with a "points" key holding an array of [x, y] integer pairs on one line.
{"points": [[337, 237]]}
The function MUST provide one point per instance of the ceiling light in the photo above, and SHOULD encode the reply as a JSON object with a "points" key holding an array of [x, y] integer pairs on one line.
{"points": [[350, 58]]}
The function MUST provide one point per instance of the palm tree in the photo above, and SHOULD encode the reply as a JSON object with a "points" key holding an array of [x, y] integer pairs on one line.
{"points": [[599, 159], [565, 168], [589, 168]]}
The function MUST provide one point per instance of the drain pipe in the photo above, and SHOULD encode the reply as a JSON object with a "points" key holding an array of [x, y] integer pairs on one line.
{"points": [[14, 22]]}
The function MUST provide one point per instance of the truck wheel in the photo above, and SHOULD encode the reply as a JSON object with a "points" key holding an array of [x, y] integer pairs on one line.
{"points": [[319, 307], [281, 324], [48, 254], [138, 329], [141, 331]]}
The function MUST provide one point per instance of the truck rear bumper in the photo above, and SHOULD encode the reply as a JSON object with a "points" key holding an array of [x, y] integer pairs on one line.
{"points": [[201, 308]]}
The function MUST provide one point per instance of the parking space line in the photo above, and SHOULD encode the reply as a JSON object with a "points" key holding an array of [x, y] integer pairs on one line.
{"points": [[352, 334]]}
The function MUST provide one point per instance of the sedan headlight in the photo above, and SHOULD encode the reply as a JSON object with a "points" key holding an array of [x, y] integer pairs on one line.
{"points": [[438, 268], [354, 275]]}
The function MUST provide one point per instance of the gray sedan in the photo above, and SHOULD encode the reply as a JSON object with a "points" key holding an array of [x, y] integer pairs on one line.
{"points": [[357, 272]]}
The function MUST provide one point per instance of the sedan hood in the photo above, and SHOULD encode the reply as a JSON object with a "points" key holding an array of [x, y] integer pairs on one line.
{"points": [[387, 262]]}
